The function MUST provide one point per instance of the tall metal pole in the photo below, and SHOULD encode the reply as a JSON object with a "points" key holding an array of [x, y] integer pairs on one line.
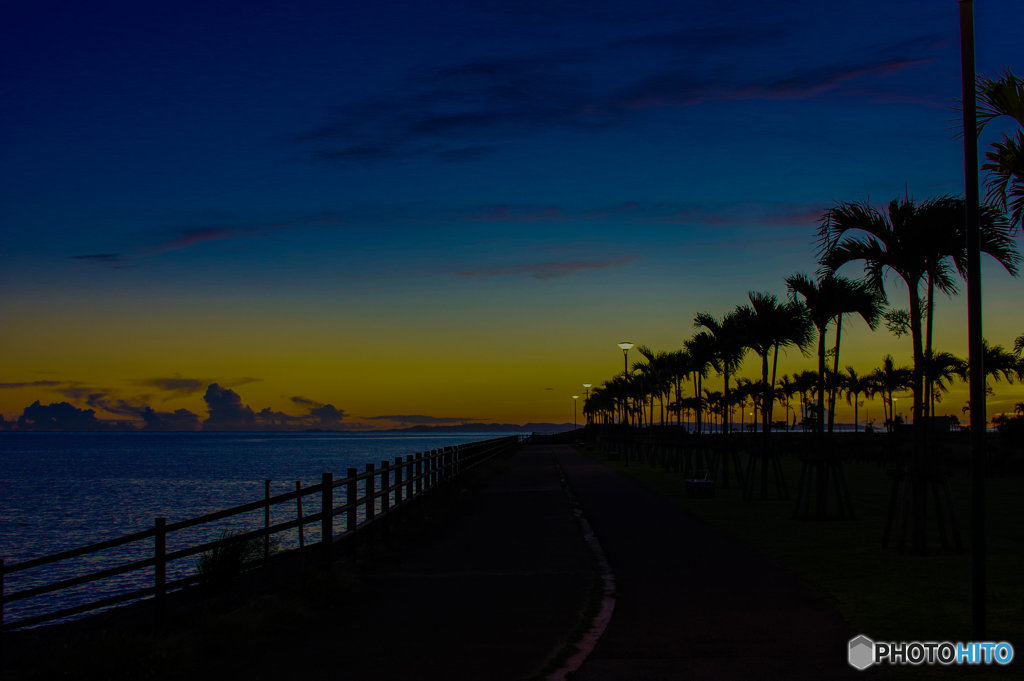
{"points": [[975, 349]]}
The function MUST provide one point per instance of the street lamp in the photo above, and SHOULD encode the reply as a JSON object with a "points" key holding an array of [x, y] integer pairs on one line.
{"points": [[625, 345], [574, 398]]}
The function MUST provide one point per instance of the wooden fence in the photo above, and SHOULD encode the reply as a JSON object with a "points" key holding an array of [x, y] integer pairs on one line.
{"points": [[384, 489]]}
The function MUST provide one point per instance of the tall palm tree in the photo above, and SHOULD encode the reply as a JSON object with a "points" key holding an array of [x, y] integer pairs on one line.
{"points": [[940, 369], [948, 240], [997, 97], [769, 325], [729, 350], [855, 385], [701, 349], [805, 383], [829, 299], [900, 241], [998, 362], [679, 366], [889, 379]]}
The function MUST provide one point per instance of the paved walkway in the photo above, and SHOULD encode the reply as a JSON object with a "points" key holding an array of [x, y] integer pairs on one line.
{"points": [[691, 601]]}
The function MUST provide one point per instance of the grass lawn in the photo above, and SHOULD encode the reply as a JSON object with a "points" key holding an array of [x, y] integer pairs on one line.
{"points": [[882, 594]]}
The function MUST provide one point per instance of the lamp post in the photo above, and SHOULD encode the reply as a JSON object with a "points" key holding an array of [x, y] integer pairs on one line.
{"points": [[586, 386], [975, 349], [574, 399], [625, 345]]}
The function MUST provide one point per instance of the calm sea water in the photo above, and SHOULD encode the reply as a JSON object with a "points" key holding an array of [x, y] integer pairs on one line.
{"points": [[63, 490]]}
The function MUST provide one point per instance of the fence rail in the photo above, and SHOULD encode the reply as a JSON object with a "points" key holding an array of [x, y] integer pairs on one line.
{"points": [[391, 486]]}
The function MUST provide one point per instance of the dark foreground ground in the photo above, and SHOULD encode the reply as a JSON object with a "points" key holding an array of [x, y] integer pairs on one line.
{"points": [[502, 589]]}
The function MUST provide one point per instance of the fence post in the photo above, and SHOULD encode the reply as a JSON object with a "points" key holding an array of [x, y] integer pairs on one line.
{"points": [[371, 502], [398, 480], [385, 486], [298, 502], [351, 497], [266, 520], [1, 597], [160, 569], [410, 474], [419, 473], [327, 516]]}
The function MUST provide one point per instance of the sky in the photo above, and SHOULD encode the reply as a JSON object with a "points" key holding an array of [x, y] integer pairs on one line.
{"points": [[399, 213]]}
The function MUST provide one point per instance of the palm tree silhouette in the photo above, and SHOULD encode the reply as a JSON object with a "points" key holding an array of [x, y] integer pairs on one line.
{"points": [[827, 299], [702, 351], [940, 369], [889, 379], [770, 325], [855, 385], [997, 97], [729, 350]]}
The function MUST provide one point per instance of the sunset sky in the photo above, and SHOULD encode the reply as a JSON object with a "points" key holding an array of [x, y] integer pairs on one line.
{"points": [[430, 212]]}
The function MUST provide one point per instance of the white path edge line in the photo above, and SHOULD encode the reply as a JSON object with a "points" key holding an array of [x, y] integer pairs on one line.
{"points": [[586, 644]]}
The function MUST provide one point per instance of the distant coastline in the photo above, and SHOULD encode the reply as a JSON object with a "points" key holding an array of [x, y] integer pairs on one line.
{"points": [[446, 428]]}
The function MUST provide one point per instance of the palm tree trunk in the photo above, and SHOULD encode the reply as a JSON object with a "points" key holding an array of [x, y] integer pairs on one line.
{"points": [[915, 333], [725, 401], [820, 416], [833, 389], [775, 366], [765, 394], [929, 387]]}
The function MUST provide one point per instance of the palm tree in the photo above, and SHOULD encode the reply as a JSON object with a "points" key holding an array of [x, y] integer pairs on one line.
{"points": [[729, 350], [679, 366], [940, 369], [1004, 96], [856, 385], [889, 379], [701, 349], [998, 362], [904, 241], [805, 383], [948, 241], [787, 389], [827, 299], [770, 325], [657, 380]]}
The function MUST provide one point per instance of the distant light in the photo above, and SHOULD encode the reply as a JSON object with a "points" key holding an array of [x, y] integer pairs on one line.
{"points": [[575, 397], [586, 385], [625, 345]]}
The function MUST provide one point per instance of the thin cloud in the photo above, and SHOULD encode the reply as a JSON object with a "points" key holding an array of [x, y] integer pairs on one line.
{"points": [[548, 270], [100, 257], [465, 112], [30, 384], [176, 386], [422, 419]]}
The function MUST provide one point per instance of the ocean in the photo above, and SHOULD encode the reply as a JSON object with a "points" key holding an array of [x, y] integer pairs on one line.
{"points": [[63, 490]]}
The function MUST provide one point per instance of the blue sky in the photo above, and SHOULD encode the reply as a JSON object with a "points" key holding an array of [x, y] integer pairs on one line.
{"points": [[587, 169]]}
